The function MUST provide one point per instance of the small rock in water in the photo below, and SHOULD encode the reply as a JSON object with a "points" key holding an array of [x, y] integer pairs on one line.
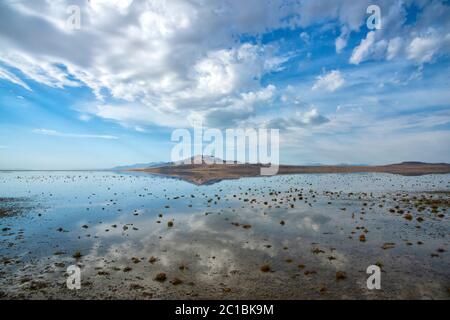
{"points": [[341, 275], [309, 272], [176, 281], [161, 277], [388, 245], [265, 268], [135, 286], [317, 251], [135, 260], [434, 255]]}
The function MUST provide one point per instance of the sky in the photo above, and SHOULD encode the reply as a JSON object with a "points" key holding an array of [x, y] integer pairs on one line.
{"points": [[112, 91]]}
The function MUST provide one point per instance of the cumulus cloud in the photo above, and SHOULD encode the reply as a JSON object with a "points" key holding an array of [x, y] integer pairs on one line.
{"points": [[239, 110], [424, 49], [299, 119], [166, 62], [54, 133], [347, 12], [225, 113], [329, 82], [394, 48], [363, 50], [166, 57], [176, 57], [420, 42]]}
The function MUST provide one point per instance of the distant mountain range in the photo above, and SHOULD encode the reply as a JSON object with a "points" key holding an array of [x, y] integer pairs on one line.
{"points": [[203, 159], [198, 159], [142, 165], [200, 174]]}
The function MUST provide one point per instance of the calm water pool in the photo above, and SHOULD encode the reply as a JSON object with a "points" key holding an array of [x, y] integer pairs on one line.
{"points": [[305, 228]]}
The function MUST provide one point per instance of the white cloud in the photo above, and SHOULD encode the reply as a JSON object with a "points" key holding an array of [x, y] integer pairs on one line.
{"points": [[300, 119], [369, 48], [171, 58], [259, 96], [221, 114], [423, 49], [239, 109], [132, 115], [223, 72], [341, 41], [419, 42], [364, 49], [329, 82], [54, 133], [166, 62], [4, 74], [348, 12], [394, 48], [305, 37], [38, 70]]}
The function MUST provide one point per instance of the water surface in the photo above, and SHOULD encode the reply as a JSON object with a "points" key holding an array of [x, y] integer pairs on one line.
{"points": [[213, 240]]}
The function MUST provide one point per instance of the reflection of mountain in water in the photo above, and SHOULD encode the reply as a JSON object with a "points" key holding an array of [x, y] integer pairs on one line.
{"points": [[202, 170]]}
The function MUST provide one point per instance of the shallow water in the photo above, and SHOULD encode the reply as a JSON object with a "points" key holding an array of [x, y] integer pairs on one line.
{"points": [[304, 227]]}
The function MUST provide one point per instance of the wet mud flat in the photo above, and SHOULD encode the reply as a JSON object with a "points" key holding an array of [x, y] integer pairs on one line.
{"points": [[14, 206], [286, 237]]}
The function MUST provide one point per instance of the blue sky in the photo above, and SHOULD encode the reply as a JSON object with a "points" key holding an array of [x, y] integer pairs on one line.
{"points": [[112, 91]]}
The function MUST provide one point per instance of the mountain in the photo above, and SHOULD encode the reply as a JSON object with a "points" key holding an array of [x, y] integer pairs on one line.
{"points": [[198, 159], [142, 165], [207, 174], [419, 163]]}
